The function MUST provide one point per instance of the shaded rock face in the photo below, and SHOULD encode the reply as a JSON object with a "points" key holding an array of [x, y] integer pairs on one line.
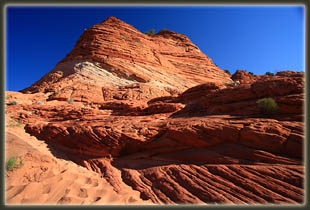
{"points": [[154, 113], [113, 60]]}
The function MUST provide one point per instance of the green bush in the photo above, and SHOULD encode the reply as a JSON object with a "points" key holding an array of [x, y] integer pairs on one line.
{"points": [[251, 73], [12, 163], [227, 71], [269, 73], [150, 32], [268, 106], [39, 102]]}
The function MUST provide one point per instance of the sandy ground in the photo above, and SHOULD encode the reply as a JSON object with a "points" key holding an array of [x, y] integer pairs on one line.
{"points": [[44, 179]]}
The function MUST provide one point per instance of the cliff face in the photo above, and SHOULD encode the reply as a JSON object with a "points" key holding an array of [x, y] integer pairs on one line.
{"points": [[113, 60], [154, 114]]}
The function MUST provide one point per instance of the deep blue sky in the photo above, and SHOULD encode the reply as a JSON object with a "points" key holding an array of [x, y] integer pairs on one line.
{"points": [[255, 38]]}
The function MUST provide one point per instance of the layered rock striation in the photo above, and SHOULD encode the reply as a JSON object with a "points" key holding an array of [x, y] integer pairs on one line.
{"points": [[183, 150], [155, 114], [113, 60]]}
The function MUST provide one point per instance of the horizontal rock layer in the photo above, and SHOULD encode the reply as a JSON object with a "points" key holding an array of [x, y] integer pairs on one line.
{"points": [[153, 113], [113, 60], [202, 146]]}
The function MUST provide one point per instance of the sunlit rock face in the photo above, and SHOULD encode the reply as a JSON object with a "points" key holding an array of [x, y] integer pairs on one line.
{"points": [[115, 57], [154, 114]]}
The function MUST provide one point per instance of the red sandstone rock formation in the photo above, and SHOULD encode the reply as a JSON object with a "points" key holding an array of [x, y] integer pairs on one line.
{"points": [[211, 98], [244, 77], [207, 144], [176, 154], [113, 60]]}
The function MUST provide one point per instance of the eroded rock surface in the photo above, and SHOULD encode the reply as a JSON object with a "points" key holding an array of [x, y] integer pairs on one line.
{"points": [[175, 150], [154, 114], [113, 60]]}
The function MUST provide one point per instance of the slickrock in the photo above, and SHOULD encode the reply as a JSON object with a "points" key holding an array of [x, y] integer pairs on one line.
{"points": [[113, 60], [212, 98], [172, 151], [153, 117]]}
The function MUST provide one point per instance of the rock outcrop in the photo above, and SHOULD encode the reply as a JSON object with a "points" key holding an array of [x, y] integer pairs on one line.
{"points": [[243, 77], [212, 98], [155, 114], [113, 60], [182, 150]]}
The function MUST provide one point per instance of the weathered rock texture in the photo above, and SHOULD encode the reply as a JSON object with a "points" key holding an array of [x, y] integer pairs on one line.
{"points": [[113, 60], [208, 144], [175, 150], [212, 98], [243, 77]]}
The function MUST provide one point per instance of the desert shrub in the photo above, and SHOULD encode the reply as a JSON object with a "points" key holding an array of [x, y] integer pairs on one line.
{"points": [[123, 37], [269, 73], [12, 103], [251, 73], [150, 32], [227, 71], [12, 163], [268, 106], [39, 102], [70, 100]]}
